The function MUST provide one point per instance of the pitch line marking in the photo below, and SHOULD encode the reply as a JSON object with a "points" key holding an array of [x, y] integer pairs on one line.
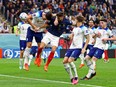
{"points": [[45, 80]]}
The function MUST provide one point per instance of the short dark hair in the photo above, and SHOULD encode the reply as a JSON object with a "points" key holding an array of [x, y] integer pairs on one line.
{"points": [[80, 18], [48, 15], [60, 14]]}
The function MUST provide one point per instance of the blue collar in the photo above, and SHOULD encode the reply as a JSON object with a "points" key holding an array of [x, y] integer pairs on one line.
{"points": [[104, 28], [92, 27], [81, 26]]}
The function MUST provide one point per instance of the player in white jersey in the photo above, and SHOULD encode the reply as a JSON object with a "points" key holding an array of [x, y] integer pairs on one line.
{"points": [[91, 30], [38, 35], [78, 34], [103, 34], [22, 27]]}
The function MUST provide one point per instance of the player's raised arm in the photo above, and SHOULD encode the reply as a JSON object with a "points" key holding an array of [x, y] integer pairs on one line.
{"points": [[33, 26], [112, 38]]}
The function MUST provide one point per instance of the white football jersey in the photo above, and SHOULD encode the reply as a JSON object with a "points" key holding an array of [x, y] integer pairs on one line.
{"points": [[37, 17], [23, 31], [78, 39], [105, 33]]}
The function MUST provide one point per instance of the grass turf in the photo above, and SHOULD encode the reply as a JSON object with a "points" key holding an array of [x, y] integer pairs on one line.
{"points": [[11, 76]]}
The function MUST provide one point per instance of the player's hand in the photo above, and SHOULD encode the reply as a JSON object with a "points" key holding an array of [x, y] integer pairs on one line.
{"points": [[99, 34], [93, 42], [83, 51], [104, 39], [37, 29]]}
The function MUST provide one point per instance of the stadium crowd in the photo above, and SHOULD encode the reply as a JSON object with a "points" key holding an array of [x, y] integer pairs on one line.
{"points": [[90, 9]]}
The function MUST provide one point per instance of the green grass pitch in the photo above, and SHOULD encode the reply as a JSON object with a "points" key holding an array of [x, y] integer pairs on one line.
{"points": [[11, 76]]}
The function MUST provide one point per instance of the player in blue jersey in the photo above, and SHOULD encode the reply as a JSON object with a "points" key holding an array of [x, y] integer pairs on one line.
{"points": [[76, 48], [55, 27], [91, 30], [102, 35], [30, 34]]}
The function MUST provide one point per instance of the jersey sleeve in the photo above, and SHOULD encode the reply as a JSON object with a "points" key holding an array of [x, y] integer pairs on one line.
{"points": [[110, 33], [19, 25], [85, 30], [37, 14]]}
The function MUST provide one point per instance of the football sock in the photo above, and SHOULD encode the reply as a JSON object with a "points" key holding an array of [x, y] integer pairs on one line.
{"points": [[74, 69], [82, 58], [26, 54], [94, 64], [27, 51], [39, 52], [106, 55], [30, 59], [68, 70], [21, 62], [50, 57], [90, 65]]}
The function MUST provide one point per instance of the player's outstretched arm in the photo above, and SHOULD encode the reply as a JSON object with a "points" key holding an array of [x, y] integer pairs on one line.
{"points": [[86, 43], [33, 26], [112, 38]]}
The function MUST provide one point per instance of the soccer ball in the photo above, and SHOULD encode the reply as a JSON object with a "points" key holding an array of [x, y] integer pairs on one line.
{"points": [[23, 16]]}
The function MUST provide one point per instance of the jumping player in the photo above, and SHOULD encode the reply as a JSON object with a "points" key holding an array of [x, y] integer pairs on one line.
{"points": [[30, 34], [56, 26]]}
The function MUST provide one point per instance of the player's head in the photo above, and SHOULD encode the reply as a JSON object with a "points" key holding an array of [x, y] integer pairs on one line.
{"points": [[80, 19], [23, 16], [103, 23], [47, 16], [60, 16], [91, 23]]}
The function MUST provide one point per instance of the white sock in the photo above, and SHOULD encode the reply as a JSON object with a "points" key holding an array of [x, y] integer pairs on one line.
{"points": [[82, 58], [27, 51], [89, 74], [30, 59], [21, 62], [94, 64], [74, 69], [68, 70], [91, 67], [26, 60], [26, 54]]}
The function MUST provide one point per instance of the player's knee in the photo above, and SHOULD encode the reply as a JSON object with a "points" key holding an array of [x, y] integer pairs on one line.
{"points": [[70, 60], [65, 61]]}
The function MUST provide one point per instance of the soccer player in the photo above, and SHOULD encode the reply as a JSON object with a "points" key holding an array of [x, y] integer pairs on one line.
{"points": [[56, 26], [103, 34], [22, 27], [78, 34], [30, 34], [91, 30]]}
